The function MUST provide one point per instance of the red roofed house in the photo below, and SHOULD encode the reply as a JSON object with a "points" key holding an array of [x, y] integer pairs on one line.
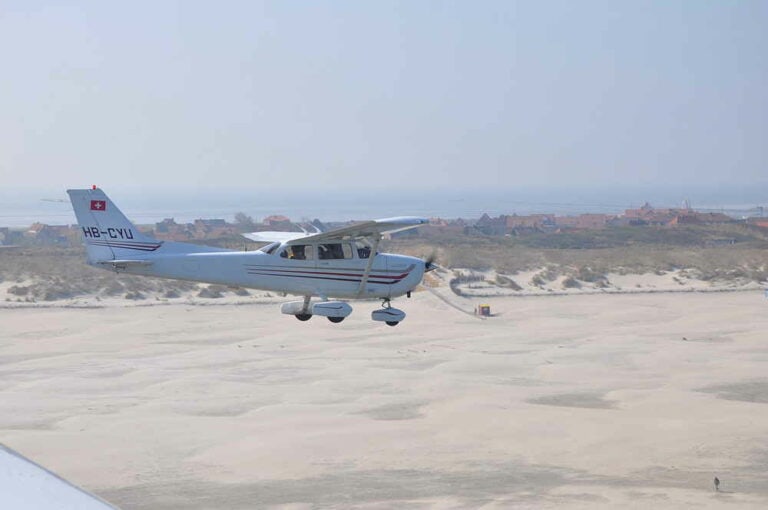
{"points": [[278, 221]]}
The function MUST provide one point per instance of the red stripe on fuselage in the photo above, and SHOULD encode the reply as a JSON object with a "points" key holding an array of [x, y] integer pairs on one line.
{"points": [[357, 274], [324, 273], [328, 278]]}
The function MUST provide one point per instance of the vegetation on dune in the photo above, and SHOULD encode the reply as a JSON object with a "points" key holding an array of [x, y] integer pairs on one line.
{"points": [[504, 281], [51, 274], [680, 236], [709, 253], [725, 253]]}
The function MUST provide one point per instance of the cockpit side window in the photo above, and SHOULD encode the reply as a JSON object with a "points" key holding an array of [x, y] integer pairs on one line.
{"points": [[363, 250], [335, 251], [298, 252]]}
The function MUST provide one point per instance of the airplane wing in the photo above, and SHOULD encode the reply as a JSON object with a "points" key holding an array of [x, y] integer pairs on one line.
{"points": [[363, 229], [366, 229], [271, 237], [25, 485]]}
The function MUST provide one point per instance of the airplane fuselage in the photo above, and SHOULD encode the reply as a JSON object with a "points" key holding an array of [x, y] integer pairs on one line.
{"points": [[390, 275]]}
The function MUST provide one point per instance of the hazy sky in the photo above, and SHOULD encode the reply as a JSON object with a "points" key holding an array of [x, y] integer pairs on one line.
{"points": [[382, 95]]}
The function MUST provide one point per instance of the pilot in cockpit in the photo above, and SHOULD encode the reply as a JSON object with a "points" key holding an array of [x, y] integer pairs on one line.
{"points": [[294, 252]]}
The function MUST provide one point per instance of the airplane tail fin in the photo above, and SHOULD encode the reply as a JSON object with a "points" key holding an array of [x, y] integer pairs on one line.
{"points": [[107, 233]]}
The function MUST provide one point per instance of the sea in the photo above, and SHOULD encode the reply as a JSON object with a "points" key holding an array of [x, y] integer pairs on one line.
{"points": [[21, 208]]}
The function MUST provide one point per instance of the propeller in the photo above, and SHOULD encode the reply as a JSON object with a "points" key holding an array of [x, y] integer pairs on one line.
{"points": [[429, 262]]}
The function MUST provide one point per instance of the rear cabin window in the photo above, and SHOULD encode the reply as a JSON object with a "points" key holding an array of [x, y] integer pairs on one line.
{"points": [[334, 251], [298, 252]]}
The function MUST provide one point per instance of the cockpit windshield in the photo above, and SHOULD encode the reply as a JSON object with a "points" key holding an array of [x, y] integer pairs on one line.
{"points": [[270, 248]]}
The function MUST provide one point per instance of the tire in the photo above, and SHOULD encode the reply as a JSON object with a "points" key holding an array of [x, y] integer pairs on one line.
{"points": [[392, 323], [303, 316], [335, 320]]}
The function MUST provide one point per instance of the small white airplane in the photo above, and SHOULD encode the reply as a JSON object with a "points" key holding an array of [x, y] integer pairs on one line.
{"points": [[342, 263]]}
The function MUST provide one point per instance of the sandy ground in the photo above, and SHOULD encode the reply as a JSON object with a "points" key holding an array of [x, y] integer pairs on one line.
{"points": [[621, 401]]}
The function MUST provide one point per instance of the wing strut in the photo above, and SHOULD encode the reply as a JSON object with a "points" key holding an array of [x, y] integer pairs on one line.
{"points": [[367, 272]]}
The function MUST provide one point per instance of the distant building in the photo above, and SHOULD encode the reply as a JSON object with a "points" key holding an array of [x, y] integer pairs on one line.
{"points": [[538, 222], [644, 212], [51, 235], [647, 215], [212, 229], [514, 224], [212, 223], [623, 221], [277, 220], [167, 225], [699, 218], [583, 221], [491, 226], [758, 222], [169, 230]]}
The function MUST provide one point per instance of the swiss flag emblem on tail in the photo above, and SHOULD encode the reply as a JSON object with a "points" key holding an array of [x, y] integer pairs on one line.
{"points": [[98, 205]]}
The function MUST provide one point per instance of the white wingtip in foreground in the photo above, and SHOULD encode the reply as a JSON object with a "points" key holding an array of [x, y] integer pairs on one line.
{"points": [[25, 485], [342, 263]]}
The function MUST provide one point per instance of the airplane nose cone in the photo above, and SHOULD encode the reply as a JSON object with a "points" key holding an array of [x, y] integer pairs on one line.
{"points": [[429, 263]]}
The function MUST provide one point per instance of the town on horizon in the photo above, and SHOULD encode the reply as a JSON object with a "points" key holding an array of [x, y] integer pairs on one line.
{"points": [[502, 225]]}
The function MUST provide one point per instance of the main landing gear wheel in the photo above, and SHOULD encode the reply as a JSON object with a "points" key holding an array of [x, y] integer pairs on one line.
{"points": [[335, 320], [388, 315], [303, 316]]}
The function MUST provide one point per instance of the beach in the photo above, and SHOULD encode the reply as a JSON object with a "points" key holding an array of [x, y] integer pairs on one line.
{"points": [[581, 401]]}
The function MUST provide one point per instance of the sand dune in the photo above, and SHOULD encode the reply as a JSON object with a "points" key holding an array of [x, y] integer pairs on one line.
{"points": [[622, 401], [535, 282], [62, 289]]}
